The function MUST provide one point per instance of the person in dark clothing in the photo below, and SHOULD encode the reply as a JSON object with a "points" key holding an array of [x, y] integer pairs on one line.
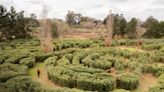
{"points": [[38, 72]]}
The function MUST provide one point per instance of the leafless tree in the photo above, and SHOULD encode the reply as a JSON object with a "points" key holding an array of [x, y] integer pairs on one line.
{"points": [[140, 31], [45, 32], [109, 26]]}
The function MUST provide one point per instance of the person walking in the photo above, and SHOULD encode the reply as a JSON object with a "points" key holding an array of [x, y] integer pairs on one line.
{"points": [[38, 72]]}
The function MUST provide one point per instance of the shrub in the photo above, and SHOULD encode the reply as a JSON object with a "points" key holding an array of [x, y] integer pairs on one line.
{"points": [[8, 71], [51, 61], [14, 59], [158, 88], [3, 58], [40, 57], [21, 84], [85, 81], [161, 79], [30, 61], [79, 68], [128, 81]]}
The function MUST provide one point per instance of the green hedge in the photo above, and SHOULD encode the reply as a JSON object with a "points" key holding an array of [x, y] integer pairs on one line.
{"points": [[8, 71], [40, 57], [154, 69], [86, 81], [15, 58], [161, 79], [79, 68], [128, 81], [30, 61]]}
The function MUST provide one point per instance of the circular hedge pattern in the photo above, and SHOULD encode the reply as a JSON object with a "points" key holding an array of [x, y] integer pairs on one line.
{"points": [[90, 69]]}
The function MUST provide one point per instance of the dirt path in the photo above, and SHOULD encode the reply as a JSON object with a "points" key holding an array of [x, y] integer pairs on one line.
{"points": [[43, 79], [147, 80], [132, 48]]}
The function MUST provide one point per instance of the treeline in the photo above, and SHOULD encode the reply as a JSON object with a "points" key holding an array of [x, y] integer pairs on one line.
{"points": [[15, 25], [134, 28], [151, 28]]}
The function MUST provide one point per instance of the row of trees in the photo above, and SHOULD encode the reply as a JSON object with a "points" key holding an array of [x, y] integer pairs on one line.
{"points": [[152, 27], [121, 27], [14, 24]]}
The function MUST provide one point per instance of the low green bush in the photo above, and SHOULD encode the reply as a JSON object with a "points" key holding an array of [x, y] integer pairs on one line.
{"points": [[158, 88], [79, 68], [30, 61], [154, 46], [14, 59], [154, 69], [40, 57], [8, 71], [161, 79], [128, 81], [51, 61], [86, 81]]}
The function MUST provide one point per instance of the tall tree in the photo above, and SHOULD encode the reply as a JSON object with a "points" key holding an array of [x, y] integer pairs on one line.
{"points": [[119, 25], [131, 28], [14, 24], [154, 28]]}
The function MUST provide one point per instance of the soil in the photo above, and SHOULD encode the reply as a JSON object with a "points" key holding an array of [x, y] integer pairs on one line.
{"points": [[43, 79], [147, 80]]}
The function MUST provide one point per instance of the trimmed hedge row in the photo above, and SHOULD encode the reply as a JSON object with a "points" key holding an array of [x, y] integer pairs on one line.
{"points": [[161, 79], [155, 70], [86, 81], [160, 86], [79, 68], [154, 46], [26, 84], [128, 81], [8, 71], [30, 61], [72, 43]]}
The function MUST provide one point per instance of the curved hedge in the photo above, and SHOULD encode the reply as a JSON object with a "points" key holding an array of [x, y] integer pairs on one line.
{"points": [[8, 71], [128, 81], [86, 81]]}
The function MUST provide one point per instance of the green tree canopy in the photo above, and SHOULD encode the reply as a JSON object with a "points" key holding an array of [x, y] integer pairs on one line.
{"points": [[155, 29], [14, 24], [131, 28]]}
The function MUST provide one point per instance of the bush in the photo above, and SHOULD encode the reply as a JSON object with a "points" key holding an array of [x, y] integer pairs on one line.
{"points": [[21, 84], [14, 59], [128, 81], [79, 68], [51, 61], [8, 71], [30, 61], [155, 70], [161, 79], [40, 57], [158, 88], [85, 81]]}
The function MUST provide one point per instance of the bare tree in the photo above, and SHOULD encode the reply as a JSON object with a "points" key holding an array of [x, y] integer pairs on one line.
{"points": [[140, 31], [45, 32], [109, 26]]}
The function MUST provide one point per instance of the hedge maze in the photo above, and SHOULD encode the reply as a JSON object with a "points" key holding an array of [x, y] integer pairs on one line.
{"points": [[82, 65]]}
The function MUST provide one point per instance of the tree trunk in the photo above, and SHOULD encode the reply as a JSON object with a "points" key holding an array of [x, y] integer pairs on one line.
{"points": [[109, 26]]}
